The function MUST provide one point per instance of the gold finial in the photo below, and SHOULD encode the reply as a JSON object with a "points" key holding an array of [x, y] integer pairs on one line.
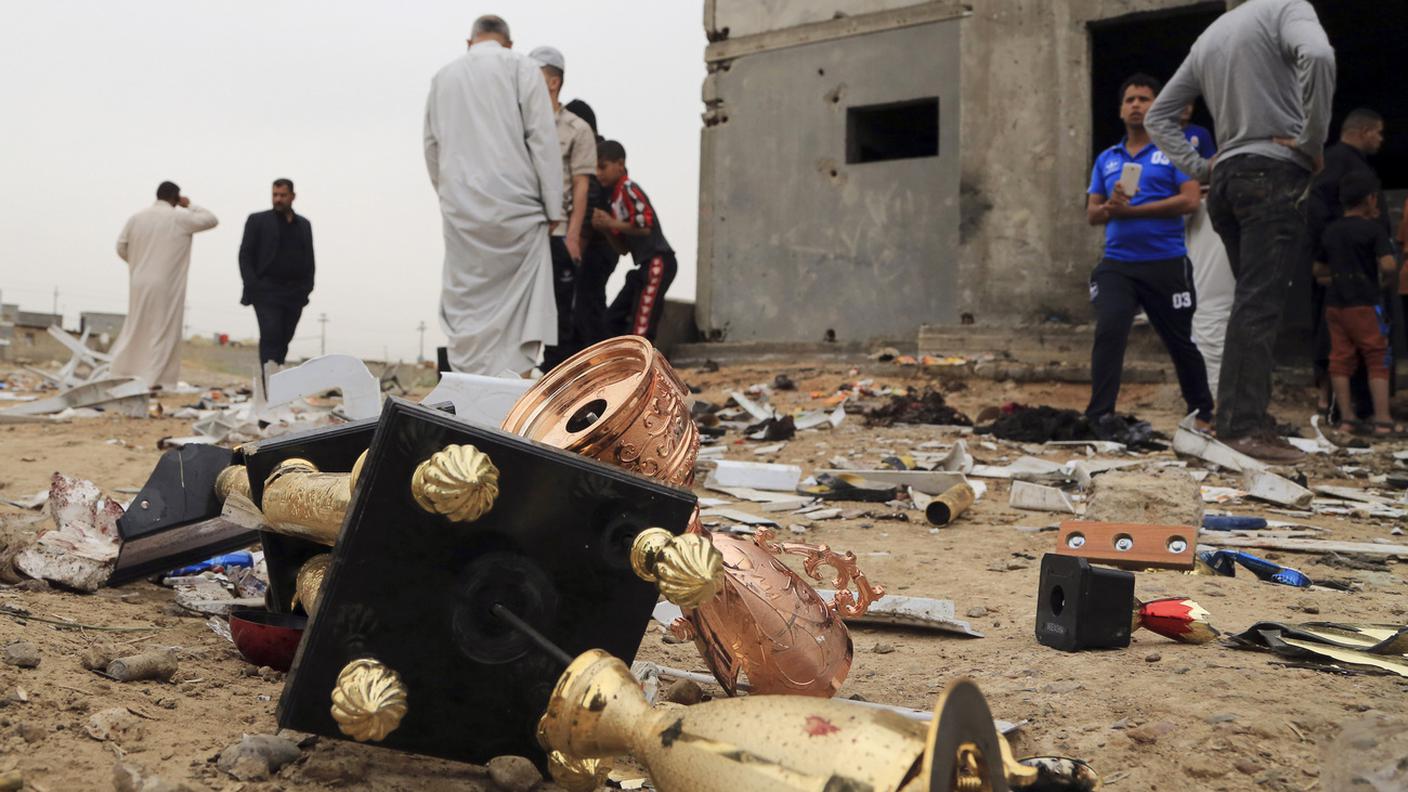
{"points": [[687, 569], [577, 775], [459, 482], [308, 585], [233, 479], [356, 473], [368, 701]]}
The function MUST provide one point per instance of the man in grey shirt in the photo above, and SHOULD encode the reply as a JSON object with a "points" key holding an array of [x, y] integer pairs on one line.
{"points": [[1267, 72]]}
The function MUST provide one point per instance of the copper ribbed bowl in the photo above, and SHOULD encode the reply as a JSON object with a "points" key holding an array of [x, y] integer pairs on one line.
{"points": [[618, 402]]}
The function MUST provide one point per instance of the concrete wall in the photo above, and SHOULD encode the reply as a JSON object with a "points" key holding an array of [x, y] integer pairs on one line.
{"points": [[734, 18], [1026, 249], [795, 242], [778, 252]]}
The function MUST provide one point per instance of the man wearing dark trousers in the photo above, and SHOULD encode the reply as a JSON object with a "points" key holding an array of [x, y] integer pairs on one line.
{"points": [[1146, 260], [599, 257], [1267, 73], [276, 263]]}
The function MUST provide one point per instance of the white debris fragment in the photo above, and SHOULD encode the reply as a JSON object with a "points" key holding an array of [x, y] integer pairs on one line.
{"points": [[80, 550]]}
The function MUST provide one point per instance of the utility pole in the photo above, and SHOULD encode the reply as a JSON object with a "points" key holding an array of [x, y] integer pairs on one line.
{"points": [[421, 357], [323, 343]]}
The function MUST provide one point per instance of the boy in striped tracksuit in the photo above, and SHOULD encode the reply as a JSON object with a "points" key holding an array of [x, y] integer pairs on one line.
{"points": [[632, 226]]}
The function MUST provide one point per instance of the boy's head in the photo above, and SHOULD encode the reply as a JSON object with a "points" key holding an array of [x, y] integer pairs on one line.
{"points": [[1359, 190], [610, 162]]}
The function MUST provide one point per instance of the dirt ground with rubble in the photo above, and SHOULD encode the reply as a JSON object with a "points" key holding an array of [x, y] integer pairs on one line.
{"points": [[1158, 715]]}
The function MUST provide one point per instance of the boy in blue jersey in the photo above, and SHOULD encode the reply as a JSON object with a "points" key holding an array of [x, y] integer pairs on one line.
{"points": [[1146, 260]]}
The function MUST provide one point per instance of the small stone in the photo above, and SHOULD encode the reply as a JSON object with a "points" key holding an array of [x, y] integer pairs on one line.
{"points": [[1310, 608], [1247, 767], [514, 773], [977, 613], [97, 657], [1153, 657], [249, 670], [32, 732], [256, 756], [268, 674], [1069, 686], [883, 648], [1121, 724], [1150, 733], [1202, 769], [33, 584], [114, 723], [684, 691], [1221, 717], [167, 702], [21, 653]]}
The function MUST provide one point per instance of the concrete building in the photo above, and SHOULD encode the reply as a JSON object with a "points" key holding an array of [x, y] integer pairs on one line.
{"points": [[869, 166], [102, 328]]}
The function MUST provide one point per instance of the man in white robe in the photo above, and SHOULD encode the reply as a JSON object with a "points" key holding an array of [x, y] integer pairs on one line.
{"points": [[156, 244], [492, 152]]}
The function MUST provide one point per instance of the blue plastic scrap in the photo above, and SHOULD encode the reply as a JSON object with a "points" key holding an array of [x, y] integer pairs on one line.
{"points": [[1223, 562], [1232, 522], [243, 558]]}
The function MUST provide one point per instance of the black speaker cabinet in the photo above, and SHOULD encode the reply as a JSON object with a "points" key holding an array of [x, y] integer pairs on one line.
{"points": [[1083, 607]]}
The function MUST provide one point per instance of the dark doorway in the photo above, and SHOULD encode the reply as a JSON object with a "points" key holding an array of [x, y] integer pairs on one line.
{"points": [[1155, 43]]}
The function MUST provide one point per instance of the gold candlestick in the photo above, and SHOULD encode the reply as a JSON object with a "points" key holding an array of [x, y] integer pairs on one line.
{"points": [[771, 743]]}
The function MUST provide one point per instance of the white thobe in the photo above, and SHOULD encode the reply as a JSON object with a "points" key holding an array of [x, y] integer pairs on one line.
{"points": [[492, 151], [156, 244], [1215, 288]]}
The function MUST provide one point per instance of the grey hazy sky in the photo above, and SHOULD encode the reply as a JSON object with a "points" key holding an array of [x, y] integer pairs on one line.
{"points": [[103, 100]]}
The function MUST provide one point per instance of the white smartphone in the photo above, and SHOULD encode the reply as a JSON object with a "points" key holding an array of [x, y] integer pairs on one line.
{"points": [[1129, 178]]}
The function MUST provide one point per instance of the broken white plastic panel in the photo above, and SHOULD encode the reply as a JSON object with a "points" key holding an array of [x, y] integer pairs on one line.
{"points": [[1036, 497], [1188, 441], [361, 392], [756, 475], [479, 399], [1267, 486], [120, 395]]}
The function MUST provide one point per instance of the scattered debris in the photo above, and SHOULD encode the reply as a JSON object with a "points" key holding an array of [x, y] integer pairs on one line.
{"points": [[1036, 497], [911, 407], [257, 756], [1223, 562], [756, 475], [148, 665], [946, 508], [80, 550], [1359, 646], [1024, 424]]}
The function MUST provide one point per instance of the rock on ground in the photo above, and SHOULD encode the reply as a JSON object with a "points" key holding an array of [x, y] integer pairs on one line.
{"points": [[132, 778], [514, 773], [21, 653], [1169, 497], [257, 756]]}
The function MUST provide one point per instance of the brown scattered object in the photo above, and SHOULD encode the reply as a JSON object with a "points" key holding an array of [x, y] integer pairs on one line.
{"points": [[148, 665], [11, 781], [97, 657], [1151, 732], [114, 723], [946, 508], [1129, 545]]}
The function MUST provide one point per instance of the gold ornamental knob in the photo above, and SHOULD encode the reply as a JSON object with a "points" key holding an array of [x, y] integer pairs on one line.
{"points": [[687, 569], [578, 775], [459, 481], [368, 701], [308, 584], [232, 480]]}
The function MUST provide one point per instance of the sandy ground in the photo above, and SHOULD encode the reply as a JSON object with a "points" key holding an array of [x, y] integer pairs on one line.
{"points": [[1158, 715]]}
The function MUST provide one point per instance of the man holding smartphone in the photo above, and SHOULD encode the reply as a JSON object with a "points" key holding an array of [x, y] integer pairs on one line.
{"points": [[1141, 199]]}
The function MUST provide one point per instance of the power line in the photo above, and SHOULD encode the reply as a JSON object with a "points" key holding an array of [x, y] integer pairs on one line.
{"points": [[323, 340]]}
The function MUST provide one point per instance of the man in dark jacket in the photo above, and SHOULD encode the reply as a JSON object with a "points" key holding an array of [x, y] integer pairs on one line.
{"points": [[276, 263]]}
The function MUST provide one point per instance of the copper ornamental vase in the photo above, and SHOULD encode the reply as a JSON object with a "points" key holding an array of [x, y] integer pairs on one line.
{"points": [[620, 402]]}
